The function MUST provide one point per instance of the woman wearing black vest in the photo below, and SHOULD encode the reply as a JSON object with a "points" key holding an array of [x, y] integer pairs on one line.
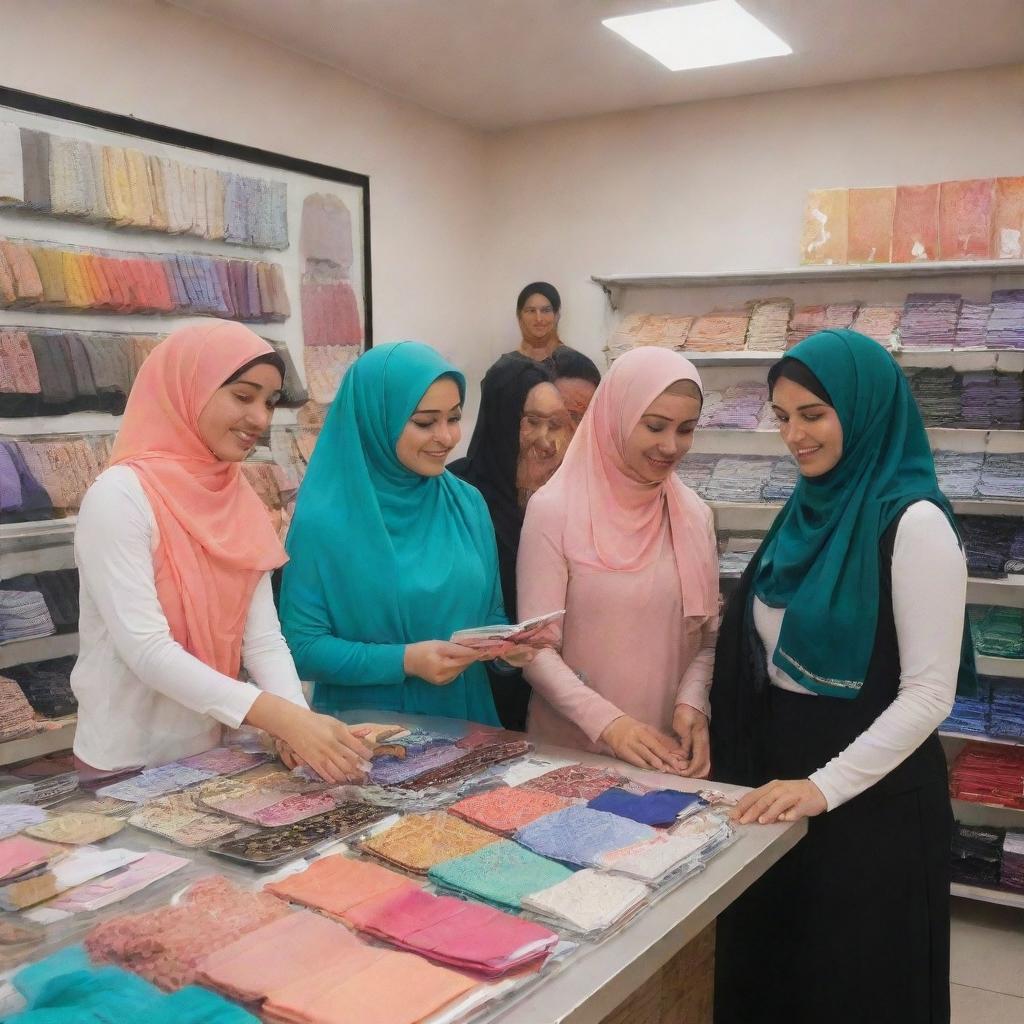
{"points": [[838, 657]]}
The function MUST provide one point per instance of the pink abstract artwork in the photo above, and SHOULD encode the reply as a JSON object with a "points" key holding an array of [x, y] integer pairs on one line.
{"points": [[965, 219], [915, 235], [1008, 219], [824, 238], [870, 224]]}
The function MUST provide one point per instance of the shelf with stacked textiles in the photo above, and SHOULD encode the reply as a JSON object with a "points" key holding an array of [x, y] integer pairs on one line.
{"points": [[986, 895]]}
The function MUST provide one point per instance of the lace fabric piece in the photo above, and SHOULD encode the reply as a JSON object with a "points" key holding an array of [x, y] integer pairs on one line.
{"points": [[502, 873], [419, 841], [19, 855], [269, 846], [658, 807], [176, 817], [100, 805], [471, 763], [76, 828], [579, 835], [336, 884], [652, 860], [166, 945], [390, 771], [575, 781], [225, 761], [104, 892], [155, 782], [589, 901], [272, 809], [506, 809], [15, 818], [79, 866], [451, 931]]}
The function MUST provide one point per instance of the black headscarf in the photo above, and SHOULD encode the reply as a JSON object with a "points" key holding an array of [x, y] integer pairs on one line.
{"points": [[549, 291], [493, 457], [567, 362]]}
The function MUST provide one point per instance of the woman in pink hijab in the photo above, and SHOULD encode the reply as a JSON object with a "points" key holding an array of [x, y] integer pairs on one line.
{"points": [[175, 551], [629, 551]]}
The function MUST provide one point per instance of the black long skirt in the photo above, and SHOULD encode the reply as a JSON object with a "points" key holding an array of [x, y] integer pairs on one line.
{"points": [[853, 924]]}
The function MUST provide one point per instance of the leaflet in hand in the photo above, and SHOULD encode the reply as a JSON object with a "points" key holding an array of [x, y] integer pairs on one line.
{"points": [[484, 638]]}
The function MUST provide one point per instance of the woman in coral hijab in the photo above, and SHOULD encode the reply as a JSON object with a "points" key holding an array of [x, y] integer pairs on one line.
{"points": [[175, 551], [629, 551]]}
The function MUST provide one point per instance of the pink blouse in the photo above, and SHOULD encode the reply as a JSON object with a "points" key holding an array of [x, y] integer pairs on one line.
{"points": [[626, 649]]}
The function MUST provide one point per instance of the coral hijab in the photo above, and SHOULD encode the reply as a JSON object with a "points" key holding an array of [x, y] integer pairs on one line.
{"points": [[216, 539], [616, 517]]}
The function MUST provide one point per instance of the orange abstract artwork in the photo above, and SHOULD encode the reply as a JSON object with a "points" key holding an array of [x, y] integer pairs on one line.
{"points": [[915, 235], [965, 219], [870, 220], [1008, 219], [825, 226]]}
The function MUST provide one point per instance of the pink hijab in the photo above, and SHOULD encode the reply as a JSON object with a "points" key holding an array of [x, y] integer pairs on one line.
{"points": [[216, 539], [615, 516]]}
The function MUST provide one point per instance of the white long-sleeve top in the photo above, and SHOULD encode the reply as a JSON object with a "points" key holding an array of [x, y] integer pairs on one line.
{"points": [[929, 589], [143, 699]]}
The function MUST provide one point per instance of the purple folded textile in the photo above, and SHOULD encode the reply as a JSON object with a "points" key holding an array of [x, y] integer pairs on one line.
{"points": [[394, 771]]}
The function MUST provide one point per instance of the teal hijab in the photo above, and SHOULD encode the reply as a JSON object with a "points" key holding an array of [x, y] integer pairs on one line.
{"points": [[819, 561], [399, 558]]}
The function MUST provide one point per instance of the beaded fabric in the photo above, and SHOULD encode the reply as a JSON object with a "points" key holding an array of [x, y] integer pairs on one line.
{"points": [[419, 841]]}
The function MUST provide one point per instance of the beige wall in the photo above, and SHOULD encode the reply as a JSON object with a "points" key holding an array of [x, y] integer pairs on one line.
{"points": [[462, 219], [720, 185], [172, 67]]}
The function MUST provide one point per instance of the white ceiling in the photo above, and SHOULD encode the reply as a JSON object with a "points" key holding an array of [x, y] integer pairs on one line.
{"points": [[502, 63]]}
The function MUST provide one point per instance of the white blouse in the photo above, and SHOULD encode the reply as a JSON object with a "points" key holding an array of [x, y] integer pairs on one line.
{"points": [[929, 591], [143, 699]]}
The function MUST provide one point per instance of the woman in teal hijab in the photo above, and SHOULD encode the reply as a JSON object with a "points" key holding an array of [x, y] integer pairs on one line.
{"points": [[389, 553], [839, 655]]}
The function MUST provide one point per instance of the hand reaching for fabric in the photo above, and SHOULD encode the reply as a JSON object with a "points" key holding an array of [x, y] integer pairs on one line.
{"points": [[691, 726], [286, 754], [780, 800], [437, 661], [640, 745]]}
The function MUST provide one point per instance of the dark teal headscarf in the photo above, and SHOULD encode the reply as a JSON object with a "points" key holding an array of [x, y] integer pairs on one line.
{"points": [[390, 557], [820, 558]]}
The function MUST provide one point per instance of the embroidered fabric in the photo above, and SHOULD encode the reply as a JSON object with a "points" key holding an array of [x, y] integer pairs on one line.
{"points": [[104, 892], [419, 841], [659, 807], [271, 845], [176, 817], [506, 809], [18, 372], [589, 901], [16, 817], [80, 865], [75, 828], [471, 763], [392, 771], [502, 873], [154, 782], [225, 760], [579, 835], [575, 781], [166, 945], [336, 884], [652, 860]]}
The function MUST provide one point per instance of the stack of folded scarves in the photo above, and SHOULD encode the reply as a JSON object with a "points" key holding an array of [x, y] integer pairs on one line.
{"points": [[1006, 712], [989, 773], [998, 631], [929, 320], [47, 686], [16, 716], [990, 542], [51, 277], [23, 614], [976, 854], [124, 187], [1012, 862]]}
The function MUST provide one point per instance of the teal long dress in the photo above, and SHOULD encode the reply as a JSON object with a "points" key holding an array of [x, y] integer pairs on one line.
{"points": [[380, 557]]}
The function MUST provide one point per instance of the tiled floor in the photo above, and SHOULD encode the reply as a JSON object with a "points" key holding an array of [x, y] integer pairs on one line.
{"points": [[987, 963]]}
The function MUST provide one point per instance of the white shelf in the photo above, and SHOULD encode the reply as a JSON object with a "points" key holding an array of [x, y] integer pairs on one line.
{"points": [[20, 652], [1008, 592], [39, 745], [768, 441], [969, 812], [39, 529], [815, 274], [1010, 667], [985, 895], [973, 738], [960, 359]]}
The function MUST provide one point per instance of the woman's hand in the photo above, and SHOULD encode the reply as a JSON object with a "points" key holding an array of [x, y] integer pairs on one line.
{"points": [[286, 754], [780, 800], [691, 726], [640, 745], [322, 742], [437, 661]]}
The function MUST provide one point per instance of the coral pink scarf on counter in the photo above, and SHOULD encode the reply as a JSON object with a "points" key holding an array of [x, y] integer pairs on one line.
{"points": [[216, 539], [617, 517]]}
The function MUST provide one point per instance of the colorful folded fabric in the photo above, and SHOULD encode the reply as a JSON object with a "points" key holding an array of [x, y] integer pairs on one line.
{"points": [[579, 835], [508, 808], [19, 855], [589, 901], [501, 873], [111, 889], [76, 828], [653, 860], [15, 818], [335, 884], [394, 771], [419, 841], [166, 945], [63, 873], [575, 781], [177, 818], [456, 932], [659, 807]]}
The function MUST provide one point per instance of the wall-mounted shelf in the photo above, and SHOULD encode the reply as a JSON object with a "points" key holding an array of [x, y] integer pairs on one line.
{"points": [[39, 745], [985, 895], [1012, 668], [974, 738], [961, 359], [20, 652]]}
